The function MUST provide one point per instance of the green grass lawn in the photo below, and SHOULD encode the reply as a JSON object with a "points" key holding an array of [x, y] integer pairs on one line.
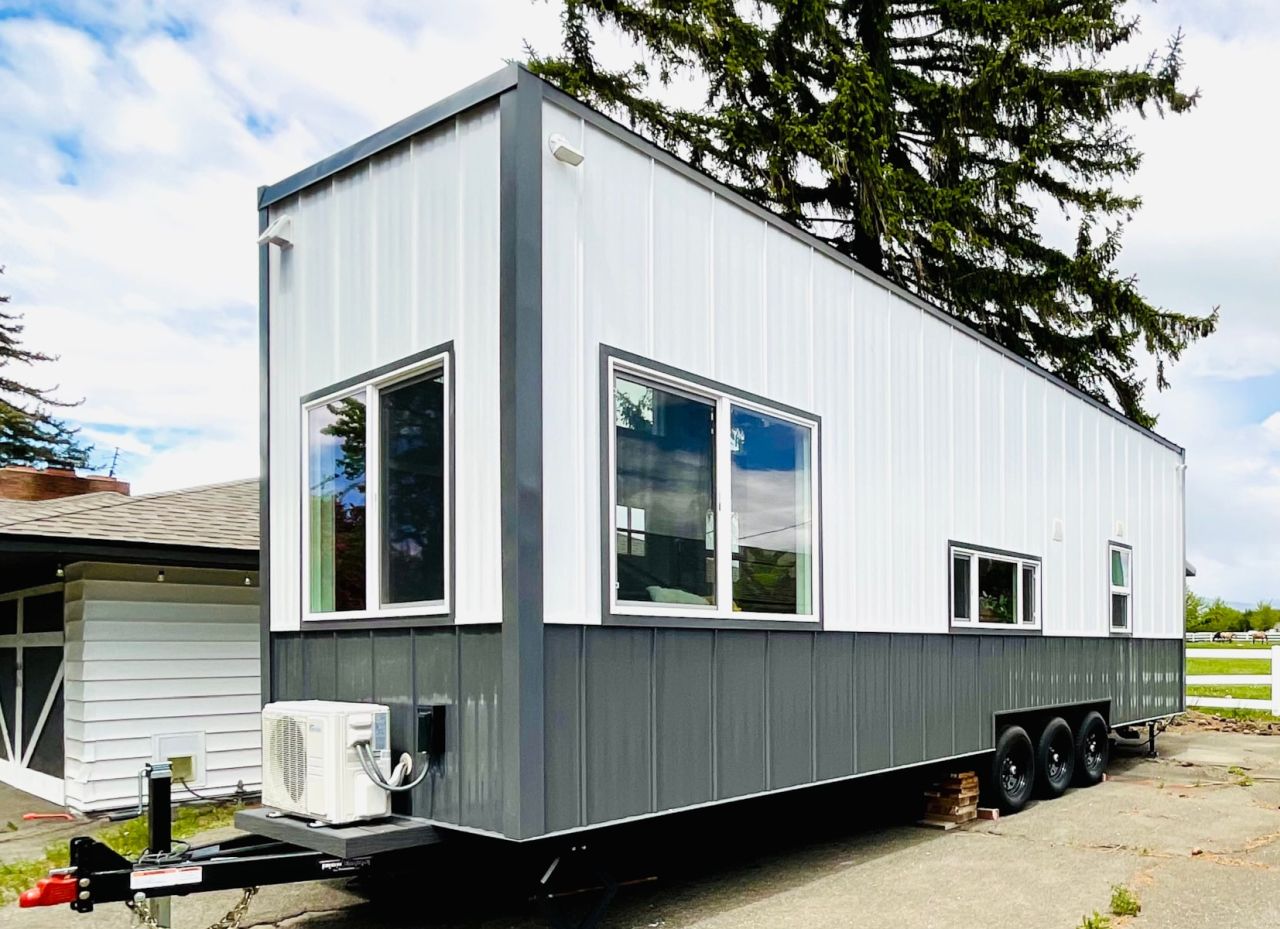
{"points": [[1227, 666], [128, 838], [1228, 644], [1239, 691]]}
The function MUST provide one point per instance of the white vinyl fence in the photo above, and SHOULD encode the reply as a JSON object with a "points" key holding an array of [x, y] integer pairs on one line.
{"points": [[1272, 637], [1269, 656]]}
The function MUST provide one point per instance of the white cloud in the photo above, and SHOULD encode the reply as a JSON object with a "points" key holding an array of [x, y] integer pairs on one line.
{"points": [[143, 275]]}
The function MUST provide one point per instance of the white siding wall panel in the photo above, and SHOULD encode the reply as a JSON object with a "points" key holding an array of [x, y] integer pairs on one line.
{"points": [[832, 304], [146, 658], [927, 434], [390, 258], [682, 272]]}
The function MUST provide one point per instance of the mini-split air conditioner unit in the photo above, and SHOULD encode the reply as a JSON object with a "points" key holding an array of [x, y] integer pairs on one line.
{"points": [[311, 764]]}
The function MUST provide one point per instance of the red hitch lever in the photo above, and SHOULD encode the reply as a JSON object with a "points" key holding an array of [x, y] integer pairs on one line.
{"points": [[50, 891]]}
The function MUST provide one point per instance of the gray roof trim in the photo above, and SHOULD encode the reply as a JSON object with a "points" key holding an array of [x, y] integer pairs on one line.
{"points": [[150, 552], [482, 90], [503, 80]]}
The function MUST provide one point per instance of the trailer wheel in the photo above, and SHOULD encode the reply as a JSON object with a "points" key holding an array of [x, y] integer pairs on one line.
{"points": [[1092, 750], [1013, 770], [1055, 758]]}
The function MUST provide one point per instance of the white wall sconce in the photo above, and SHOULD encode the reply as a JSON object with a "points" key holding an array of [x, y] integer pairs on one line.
{"points": [[563, 150], [278, 232]]}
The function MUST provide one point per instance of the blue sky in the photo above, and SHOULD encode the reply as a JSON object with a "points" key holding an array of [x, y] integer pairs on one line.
{"points": [[136, 132]]}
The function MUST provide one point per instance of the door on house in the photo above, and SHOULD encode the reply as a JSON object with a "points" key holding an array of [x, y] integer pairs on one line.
{"points": [[31, 699]]}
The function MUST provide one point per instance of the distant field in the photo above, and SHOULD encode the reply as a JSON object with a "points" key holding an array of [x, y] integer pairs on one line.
{"points": [[1228, 645], [1239, 691], [1227, 666]]}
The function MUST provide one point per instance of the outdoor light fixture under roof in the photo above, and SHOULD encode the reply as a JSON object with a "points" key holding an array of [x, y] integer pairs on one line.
{"points": [[278, 232], [563, 150]]}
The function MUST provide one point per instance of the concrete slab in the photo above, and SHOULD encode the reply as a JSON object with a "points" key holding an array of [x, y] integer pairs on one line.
{"points": [[1046, 867]]}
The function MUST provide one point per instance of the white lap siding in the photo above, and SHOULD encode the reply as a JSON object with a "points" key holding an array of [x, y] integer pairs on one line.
{"points": [[147, 657]]}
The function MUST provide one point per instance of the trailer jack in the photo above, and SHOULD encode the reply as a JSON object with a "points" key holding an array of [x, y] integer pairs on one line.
{"points": [[98, 874]]}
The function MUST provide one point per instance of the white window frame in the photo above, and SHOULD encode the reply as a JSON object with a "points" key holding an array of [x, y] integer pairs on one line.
{"points": [[1020, 562], [723, 400], [1120, 590], [371, 388]]}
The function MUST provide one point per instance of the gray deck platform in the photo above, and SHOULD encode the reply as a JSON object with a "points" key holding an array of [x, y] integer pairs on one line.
{"points": [[353, 841]]}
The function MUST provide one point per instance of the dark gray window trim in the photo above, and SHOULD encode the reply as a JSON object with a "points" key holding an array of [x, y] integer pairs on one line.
{"points": [[693, 621], [975, 629], [264, 455], [1121, 633], [401, 622], [453, 105]]}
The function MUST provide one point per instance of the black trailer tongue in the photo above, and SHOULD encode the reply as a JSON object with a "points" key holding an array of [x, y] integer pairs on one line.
{"points": [[97, 874]]}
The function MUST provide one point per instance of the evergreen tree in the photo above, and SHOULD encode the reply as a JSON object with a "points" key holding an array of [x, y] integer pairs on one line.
{"points": [[29, 433], [923, 138]]}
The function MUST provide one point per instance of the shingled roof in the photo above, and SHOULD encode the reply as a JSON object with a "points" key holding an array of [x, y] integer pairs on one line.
{"points": [[223, 516]]}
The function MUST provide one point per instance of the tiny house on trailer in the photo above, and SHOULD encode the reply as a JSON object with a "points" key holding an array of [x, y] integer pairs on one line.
{"points": [[666, 502]]}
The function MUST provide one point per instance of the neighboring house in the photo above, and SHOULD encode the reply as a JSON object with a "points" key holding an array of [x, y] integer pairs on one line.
{"points": [[128, 633]]}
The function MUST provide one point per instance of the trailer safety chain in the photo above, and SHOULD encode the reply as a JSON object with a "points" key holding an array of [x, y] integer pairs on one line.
{"points": [[231, 920]]}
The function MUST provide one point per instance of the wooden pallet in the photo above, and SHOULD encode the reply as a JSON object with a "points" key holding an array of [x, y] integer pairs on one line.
{"points": [[952, 801]]}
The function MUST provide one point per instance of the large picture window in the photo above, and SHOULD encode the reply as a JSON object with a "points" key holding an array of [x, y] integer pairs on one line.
{"points": [[1120, 559], [994, 590], [376, 487], [713, 502]]}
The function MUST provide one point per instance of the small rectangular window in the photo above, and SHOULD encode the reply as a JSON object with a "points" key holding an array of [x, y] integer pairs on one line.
{"points": [[377, 485], [688, 459], [995, 590], [960, 587], [1120, 558]]}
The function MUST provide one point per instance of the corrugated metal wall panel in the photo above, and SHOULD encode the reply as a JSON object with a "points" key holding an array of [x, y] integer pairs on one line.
{"points": [[906, 686], [741, 749], [927, 434], [833, 708], [435, 670], [683, 725], [617, 710], [392, 257], [873, 699], [791, 713], [562, 724], [458, 668]]}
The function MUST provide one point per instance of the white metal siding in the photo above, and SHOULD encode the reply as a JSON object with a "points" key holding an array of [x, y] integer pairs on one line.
{"points": [[927, 433], [393, 257], [145, 658]]}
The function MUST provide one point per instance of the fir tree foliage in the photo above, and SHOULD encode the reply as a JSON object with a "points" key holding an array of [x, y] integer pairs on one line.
{"points": [[29, 433], [923, 138]]}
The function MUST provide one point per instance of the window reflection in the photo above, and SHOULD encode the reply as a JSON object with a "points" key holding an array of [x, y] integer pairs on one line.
{"points": [[336, 497], [413, 490], [772, 520], [665, 493]]}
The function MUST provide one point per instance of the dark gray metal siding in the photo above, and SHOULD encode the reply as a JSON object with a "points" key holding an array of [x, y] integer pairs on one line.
{"points": [[457, 667], [641, 721]]}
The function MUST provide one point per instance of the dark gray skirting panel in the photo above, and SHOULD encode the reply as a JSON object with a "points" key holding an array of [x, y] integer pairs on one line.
{"points": [[457, 667], [640, 721]]}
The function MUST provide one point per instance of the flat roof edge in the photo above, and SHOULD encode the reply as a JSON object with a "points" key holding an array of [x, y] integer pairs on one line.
{"points": [[630, 137], [458, 102]]}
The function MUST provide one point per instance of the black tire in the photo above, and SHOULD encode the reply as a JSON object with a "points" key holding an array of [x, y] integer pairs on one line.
{"points": [[1093, 750], [1013, 770], [1055, 758]]}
